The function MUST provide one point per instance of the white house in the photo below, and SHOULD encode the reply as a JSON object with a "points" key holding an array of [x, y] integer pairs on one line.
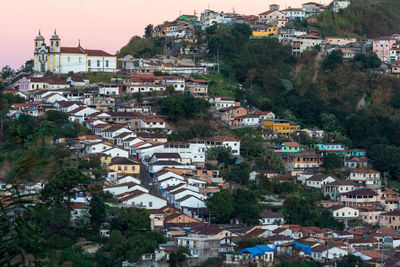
{"points": [[97, 147], [344, 213], [168, 182], [336, 188], [340, 4], [268, 217], [113, 131], [166, 156], [152, 124], [174, 196], [53, 98], [167, 174], [110, 89], [116, 152], [318, 181], [119, 189], [303, 42], [159, 165], [128, 179], [367, 177], [142, 199], [190, 201], [322, 252], [224, 141]]}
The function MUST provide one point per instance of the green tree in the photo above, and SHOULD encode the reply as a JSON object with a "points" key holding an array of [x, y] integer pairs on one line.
{"points": [[58, 117], [132, 221], [148, 31], [334, 59], [6, 72], [97, 210], [332, 161], [63, 185], [351, 260], [177, 258], [221, 206]]}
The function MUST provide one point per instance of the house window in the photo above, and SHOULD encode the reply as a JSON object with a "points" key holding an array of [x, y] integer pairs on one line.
{"points": [[107, 63], [80, 60], [88, 62], [133, 168], [69, 59], [98, 63], [150, 204]]}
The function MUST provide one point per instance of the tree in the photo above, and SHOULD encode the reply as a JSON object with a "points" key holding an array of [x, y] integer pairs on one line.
{"points": [[132, 221], [58, 117], [148, 31], [351, 260], [177, 258], [332, 161], [7, 72], [221, 206], [247, 206], [334, 59], [63, 185], [97, 210]]}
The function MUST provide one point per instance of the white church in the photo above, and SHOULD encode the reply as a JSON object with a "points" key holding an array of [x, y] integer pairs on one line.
{"points": [[57, 59]]}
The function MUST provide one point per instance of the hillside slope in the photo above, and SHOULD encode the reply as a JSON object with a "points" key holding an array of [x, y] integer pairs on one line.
{"points": [[363, 18]]}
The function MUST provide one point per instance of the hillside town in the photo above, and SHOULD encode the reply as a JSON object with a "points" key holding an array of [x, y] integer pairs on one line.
{"points": [[145, 162]]}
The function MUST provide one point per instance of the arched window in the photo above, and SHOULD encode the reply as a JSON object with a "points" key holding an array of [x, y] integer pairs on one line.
{"points": [[57, 43]]}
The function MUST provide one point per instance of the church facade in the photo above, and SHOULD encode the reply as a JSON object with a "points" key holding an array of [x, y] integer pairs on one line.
{"points": [[57, 59]]}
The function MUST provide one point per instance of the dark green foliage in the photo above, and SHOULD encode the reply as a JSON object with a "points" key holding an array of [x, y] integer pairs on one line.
{"points": [[97, 210], [334, 59], [221, 206], [148, 31], [368, 61], [6, 72], [296, 263], [58, 117], [180, 106], [132, 221], [364, 18], [351, 260], [143, 47], [212, 262], [63, 185], [243, 205], [303, 211], [332, 161], [76, 256], [177, 258]]}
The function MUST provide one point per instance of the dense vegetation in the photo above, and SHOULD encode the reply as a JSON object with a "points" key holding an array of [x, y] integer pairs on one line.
{"points": [[363, 18], [355, 106], [143, 47]]}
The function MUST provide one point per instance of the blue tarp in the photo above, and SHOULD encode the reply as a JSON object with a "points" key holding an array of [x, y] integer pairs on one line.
{"points": [[253, 251], [304, 248], [257, 250], [264, 248]]}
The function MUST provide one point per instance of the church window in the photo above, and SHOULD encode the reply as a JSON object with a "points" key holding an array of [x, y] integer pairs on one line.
{"points": [[107, 63], [69, 59], [80, 60], [57, 43], [52, 43], [98, 63], [36, 44], [88, 62]]}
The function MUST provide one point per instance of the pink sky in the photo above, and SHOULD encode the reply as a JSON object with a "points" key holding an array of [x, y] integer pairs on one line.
{"points": [[100, 24]]}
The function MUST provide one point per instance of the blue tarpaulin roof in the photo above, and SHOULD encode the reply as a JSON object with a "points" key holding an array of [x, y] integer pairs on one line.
{"points": [[257, 250], [304, 248], [264, 248]]}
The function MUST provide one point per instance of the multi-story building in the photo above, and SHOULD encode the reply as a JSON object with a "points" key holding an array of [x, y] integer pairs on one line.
{"points": [[390, 219], [381, 46], [303, 42], [284, 127], [307, 161], [201, 247], [340, 4], [336, 188], [369, 178], [360, 197]]}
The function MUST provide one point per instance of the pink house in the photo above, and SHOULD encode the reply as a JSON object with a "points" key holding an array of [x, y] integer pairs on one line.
{"points": [[24, 84], [382, 45]]}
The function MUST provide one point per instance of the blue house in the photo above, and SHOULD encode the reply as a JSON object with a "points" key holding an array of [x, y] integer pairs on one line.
{"points": [[260, 253]]}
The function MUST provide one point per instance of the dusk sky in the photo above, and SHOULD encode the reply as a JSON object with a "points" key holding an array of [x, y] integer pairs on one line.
{"points": [[100, 24]]}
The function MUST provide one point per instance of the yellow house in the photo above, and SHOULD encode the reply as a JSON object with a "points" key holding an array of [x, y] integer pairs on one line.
{"points": [[265, 32], [281, 126], [104, 158], [124, 166]]}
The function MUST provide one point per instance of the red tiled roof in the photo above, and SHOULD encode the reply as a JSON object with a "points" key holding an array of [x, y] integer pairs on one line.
{"points": [[98, 53], [72, 50]]}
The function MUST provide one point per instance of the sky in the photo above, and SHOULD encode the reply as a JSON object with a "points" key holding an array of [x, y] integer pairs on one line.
{"points": [[100, 24]]}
